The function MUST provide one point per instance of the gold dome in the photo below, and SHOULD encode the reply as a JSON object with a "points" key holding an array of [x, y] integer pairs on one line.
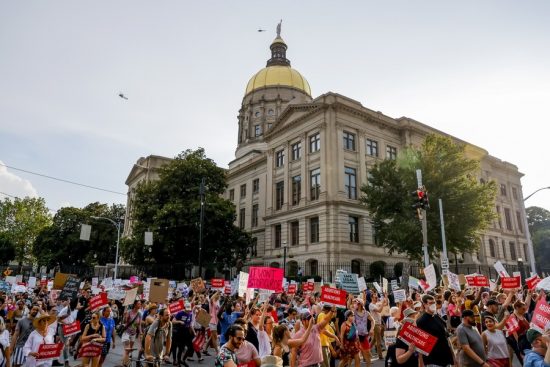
{"points": [[278, 75]]}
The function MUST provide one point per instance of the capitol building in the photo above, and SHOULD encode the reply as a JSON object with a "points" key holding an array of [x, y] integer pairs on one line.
{"points": [[300, 163]]}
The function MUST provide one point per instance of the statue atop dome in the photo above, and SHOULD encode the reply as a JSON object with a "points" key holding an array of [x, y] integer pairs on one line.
{"points": [[279, 29]]}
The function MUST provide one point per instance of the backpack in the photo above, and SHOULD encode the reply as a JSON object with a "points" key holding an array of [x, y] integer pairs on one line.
{"points": [[352, 334], [391, 357]]}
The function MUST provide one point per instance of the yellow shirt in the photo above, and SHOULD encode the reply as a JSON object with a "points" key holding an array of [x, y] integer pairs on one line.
{"points": [[475, 309], [325, 340]]}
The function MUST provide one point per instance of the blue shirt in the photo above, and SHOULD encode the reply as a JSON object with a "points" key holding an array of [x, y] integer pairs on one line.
{"points": [[109, 325], [533, 359], [226, 321]]}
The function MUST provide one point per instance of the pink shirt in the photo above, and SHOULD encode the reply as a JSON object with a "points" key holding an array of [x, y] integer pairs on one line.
{"points": [[452, 310], [246, 352], [310, 352], [214, 308]]}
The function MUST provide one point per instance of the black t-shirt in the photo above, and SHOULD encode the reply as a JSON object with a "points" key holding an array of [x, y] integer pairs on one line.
{"points": [[441, 353], [412, 361]]}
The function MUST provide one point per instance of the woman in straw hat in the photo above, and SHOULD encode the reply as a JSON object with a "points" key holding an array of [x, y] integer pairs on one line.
{"points": [[41, 335]]}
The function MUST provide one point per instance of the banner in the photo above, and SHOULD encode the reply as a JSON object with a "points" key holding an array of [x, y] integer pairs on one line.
{"points": [[510, 282], [333, 296], [475, 280], [454, 282], [265, 278], [71, 329], [49, 351], [348, 282], [500, 269], [243, 283], [98, 302], [531, 282], [399, 295], [218, 283], [176, 307], [291, 289], [541, 315], [423, 341]]}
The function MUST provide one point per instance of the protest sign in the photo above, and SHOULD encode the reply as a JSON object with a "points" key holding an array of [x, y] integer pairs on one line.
{"points": [[413, 282], [333, 296], [454, 282], [393, 284], [361, 284], [541, 316], [512, 325], [242, 283], [384, 285], [203, 318], [98, 302], [197, 285], [309, 286], [399, 295], [32, 282], [70, 289], [95, 281], [158, 290], [481, 281], [5, 286], [19, 278], [500, 269], [431, 277], [337, 277], [389, 337], [348, 282], [291, 289], [377, 286], [11, 279], [90, 350], [423, 341], [533, 281], [544, 284], [218, 283], [49, 351], [264, 295], [118, 294], [510, 282], [43, 282], [59, 280], [71, 329], [265, 278], [176, 307], [227, 289]]}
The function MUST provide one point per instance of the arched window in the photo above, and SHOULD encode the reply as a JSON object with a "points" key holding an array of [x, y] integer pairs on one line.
{"points": [[356, 266], [274, 265], [292, 268], [492, 248], [312, 267]]}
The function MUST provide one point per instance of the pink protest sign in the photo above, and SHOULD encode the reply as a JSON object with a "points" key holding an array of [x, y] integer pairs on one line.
{"points": [[265, 278]]}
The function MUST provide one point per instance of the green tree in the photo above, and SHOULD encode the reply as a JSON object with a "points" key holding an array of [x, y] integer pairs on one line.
{"points": [[60, 242], [539, 227], [21, 220], [7, 249], [447, 174], [170, 207]]}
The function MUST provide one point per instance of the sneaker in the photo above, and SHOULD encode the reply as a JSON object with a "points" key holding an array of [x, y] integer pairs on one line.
{"points": [[56, 363]]}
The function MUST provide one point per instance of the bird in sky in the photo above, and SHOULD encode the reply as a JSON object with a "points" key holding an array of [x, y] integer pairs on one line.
{"points": [[261, 30], [121, 95]]}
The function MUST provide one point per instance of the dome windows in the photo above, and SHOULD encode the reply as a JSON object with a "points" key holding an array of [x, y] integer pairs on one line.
{"points": [[270, 112]]}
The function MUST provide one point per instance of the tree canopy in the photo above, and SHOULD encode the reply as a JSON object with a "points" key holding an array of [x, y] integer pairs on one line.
{"points": [[170, 208], [447, 174], [539, 225]]}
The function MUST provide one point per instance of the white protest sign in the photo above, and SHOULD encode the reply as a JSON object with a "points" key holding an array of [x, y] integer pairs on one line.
{"points": [[431, 277], [249, 294], [264, 295], [413, 282], [181, 286], [96, 290], [32, 282], [544, 284], [11, 279], [348, 283], [500, 269], [243, 283], [393, 284], [19, 278], [454, 281], [385, 285], [377, 286], [107, 283], [399, 295], [95, 281], [361, 284]]}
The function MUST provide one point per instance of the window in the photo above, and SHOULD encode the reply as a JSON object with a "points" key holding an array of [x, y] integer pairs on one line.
{"points": [[513, 250], [353, 223], [391, 152], [372, 148], [508, 218], [232, 194], [242, 218], [257, 114], [525, 252], [498, 217], [503, 189], [503, 249], [256, 186], [350, 183], [277, 230], [520, 223], [296, 189], [255, 209], [294, 233], [296, 151], [243, 191], [270, 112], [514, 193], [315, 180], [257, 130], [280, 158], [356, 266], [315, 143], [279, 194], [314, 230], [349, 141], [492, 248]]}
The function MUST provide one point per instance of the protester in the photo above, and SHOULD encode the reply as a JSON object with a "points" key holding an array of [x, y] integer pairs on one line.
{"points": [[539, 354], [132, 330], [94, 333], [23, 329], [494, 342], [375, 309], [310, 352], [472, 351], [4, 344], [158, 340], [350, 341], [247, 353], [109, 326], [362, 318], [227, 357], [40, 335]]}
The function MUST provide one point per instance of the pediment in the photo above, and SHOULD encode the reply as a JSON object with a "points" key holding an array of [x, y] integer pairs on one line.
{"points": [[293, 115]]}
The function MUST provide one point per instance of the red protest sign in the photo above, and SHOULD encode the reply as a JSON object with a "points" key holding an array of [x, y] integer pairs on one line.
{"points": [[218, 283], [90, 350], [49, 351], [510, 282], [99, 301], [176, 307], [470, 280], [512, 325], [291, 289], [481, 281], [333, 296], [423, 341], [309, 286], [71, 329], [43, 282], [533, 281], [265, 278], [227, 288], [541, 315]]}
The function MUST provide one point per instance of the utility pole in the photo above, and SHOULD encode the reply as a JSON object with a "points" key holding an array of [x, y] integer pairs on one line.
{"points": [[424, 223], [444, 257], [201, 192]]}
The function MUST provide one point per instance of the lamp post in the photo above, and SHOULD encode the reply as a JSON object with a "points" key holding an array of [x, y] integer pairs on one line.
{"points": [[528, 233], [201, 192], [521, 269], [284, 258], [117, 226]]}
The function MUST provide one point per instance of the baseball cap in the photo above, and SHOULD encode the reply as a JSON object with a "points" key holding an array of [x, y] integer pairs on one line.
{"points": [[532, 334], [408, 312]]}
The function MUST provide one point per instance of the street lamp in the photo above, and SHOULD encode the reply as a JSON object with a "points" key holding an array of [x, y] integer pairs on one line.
{"points": [[521, 270], [117, 225], [284, 258], [528, 233]]}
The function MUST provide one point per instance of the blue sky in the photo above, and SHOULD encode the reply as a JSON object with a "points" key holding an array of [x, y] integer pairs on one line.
{"points": [[476, 70]]}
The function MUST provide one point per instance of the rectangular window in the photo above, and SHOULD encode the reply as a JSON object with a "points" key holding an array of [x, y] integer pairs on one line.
{"points": [[391, 152], [315, 143], [255, 210], [294, 233], [372, 148], [280, 158], [350, 183], [503, 249], [514, 193], [349, 141], [243, 191], [503, 189], [513, 250], [315, 181], [296, 189], [279, 194], [242, 218], [314, 230], [353, 223], [520, 222], [296, 151], [525, 252], [499, 218], [277, 230], [232, 194], [256, 186], [257, 130], [508, 218]]}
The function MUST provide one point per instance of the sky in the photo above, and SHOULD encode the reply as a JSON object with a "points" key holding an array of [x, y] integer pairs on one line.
{"points": [[477, 70]]}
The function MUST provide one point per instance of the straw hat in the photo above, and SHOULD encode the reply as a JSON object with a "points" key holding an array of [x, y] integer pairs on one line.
{"points": [[50, 319], [272, 361]]}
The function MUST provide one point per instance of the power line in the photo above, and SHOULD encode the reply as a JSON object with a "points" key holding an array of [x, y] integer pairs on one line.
{"points": [[13, 196], [62, 180]]}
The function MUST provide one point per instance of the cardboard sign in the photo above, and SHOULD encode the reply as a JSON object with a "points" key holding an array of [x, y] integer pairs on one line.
{"points": [[98, 302], [291, 289], [218, 283], [348, 282], [49, 351], [197, 285], [158, 290], [59, 280], [423, 341], [333, 296], [389, 337], [512, 325], [500, 270], [399, 295], [203, 318], [176, 307], [71, 329], [70, 289], [541, 315], [510, 282], [242, 283], [533, 281], [265, 278]]}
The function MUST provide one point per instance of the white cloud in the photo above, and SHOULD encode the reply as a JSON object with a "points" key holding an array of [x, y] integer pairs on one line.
{"points": [[12, 184]]}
